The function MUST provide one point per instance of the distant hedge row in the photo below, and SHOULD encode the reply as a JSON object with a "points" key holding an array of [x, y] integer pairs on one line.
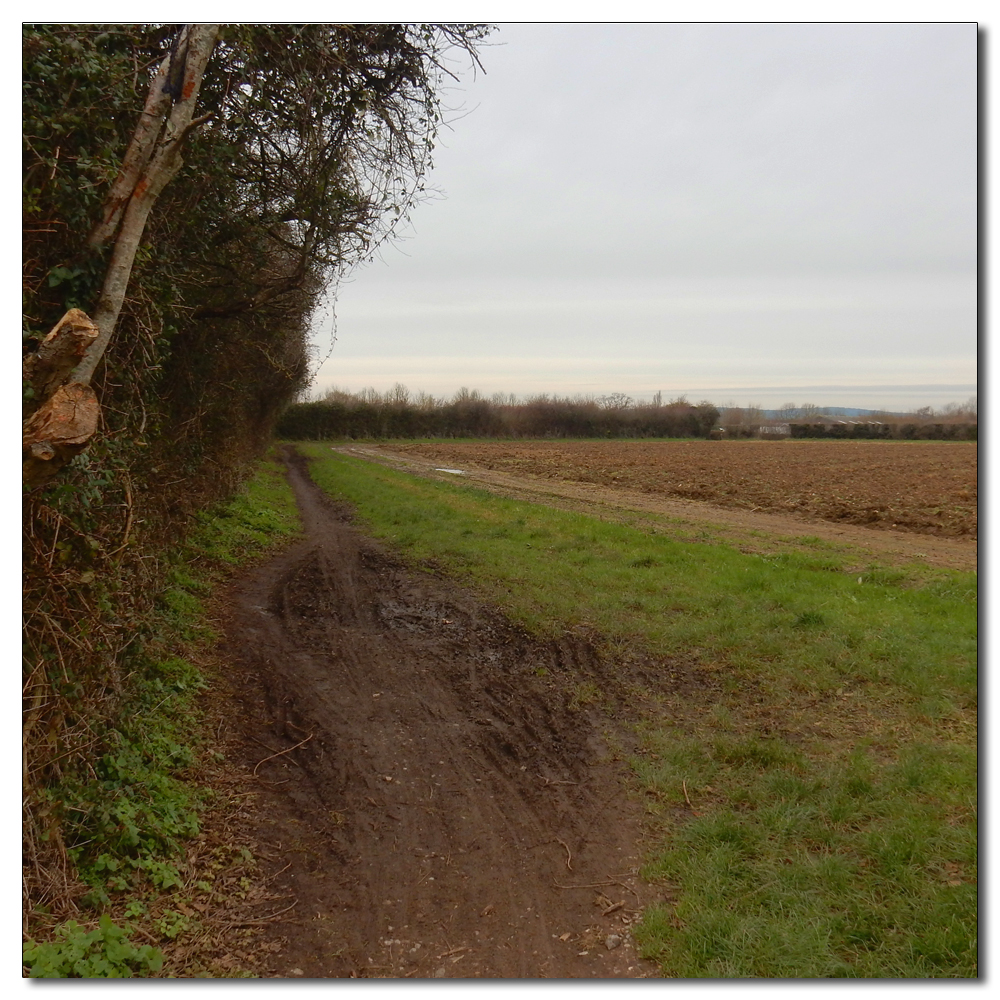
{"points": [[895, 431], [328, 419]]}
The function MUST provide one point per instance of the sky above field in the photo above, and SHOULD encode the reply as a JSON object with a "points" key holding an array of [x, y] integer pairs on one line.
{"points": [[763, 213]]}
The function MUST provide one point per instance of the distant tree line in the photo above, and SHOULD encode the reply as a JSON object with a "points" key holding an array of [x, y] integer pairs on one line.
{"points": [[398, 414], [908, 430]]}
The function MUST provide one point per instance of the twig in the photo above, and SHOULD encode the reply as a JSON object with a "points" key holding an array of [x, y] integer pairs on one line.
{"points": [[586, 885], [281, 753], [55, 539], [454, 951], [128, 519], [49, 763], [687, 800], [569, 855], [261, 920], [630, 889], [136, 929]]}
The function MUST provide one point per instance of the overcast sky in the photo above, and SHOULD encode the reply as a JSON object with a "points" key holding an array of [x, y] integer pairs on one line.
{"points": [[763, 213]]}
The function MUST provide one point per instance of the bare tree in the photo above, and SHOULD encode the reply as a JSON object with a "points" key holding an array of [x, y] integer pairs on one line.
{"points": [[398, 395], [615, 401]]}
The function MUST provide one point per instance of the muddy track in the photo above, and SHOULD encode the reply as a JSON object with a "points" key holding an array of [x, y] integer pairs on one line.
{"points": [[437, 803]]}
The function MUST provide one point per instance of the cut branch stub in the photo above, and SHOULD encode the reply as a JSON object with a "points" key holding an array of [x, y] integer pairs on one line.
{"points": [[59, 353], [58, 431]]}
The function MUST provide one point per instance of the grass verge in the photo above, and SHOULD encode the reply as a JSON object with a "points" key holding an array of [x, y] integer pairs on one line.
{"points": [[814, 797], [128, 822]]}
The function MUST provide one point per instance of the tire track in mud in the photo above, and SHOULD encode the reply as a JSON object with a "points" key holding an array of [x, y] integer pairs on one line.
{"points": [[434, 790]]}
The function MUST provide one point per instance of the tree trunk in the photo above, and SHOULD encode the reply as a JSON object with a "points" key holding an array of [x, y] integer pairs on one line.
{"points": [[161, 163], [64, 413]]}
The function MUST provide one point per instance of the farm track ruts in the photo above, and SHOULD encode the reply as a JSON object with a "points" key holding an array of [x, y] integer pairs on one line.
{"points": [[926, 487], [569, 482], [432, 790]]}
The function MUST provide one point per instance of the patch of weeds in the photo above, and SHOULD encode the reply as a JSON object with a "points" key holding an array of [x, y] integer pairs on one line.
{"points": [[883, 577], [123, 822], [135, 808], [809, 619], [261, 516], [645, 562], [104, 952], [171, 924], [584, 693], [753, 751]]}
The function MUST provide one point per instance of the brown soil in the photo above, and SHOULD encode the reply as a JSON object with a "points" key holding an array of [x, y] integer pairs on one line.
{"points": [[483, 464], [927, 487], [429, 791], [434, 795]]}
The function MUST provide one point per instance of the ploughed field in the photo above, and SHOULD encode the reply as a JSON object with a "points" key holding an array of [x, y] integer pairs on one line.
{"points": [[927, 487]]}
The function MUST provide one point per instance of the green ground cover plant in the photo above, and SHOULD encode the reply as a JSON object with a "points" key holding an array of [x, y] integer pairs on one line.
{"points": [[814, 800], [123, 823], [102, 953]]}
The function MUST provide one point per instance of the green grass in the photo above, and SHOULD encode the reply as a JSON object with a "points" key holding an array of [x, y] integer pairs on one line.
{"points": [[260, 517], [829, 758]]}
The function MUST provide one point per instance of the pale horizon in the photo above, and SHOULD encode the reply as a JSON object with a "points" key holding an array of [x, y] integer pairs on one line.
{"points": [[899, 399], [750, 212]]}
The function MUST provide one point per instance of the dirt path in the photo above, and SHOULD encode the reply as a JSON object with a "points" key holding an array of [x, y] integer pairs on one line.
{"points": [[740, 527], [434, 802]]}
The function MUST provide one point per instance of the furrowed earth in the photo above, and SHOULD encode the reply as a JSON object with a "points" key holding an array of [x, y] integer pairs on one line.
{"points": [[927, 487], [920, 497], [427, 794]]}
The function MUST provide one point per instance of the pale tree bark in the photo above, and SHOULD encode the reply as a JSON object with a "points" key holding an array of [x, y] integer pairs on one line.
{"points": [[161, 161], [64, 413], [137, 157]]}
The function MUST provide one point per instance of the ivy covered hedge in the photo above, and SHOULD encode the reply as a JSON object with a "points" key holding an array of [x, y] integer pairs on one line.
{"points": [[313, 141]]}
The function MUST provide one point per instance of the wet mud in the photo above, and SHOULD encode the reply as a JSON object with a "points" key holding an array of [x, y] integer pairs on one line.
{"points": [[432, 792]]}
